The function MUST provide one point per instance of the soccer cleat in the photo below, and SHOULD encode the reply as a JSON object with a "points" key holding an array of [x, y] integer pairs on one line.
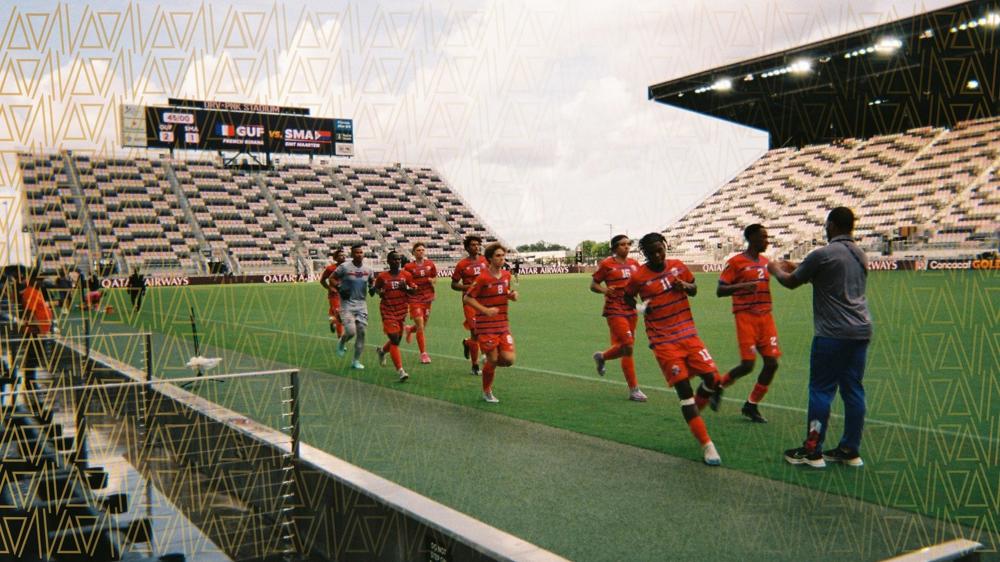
{"points": [[356, 365], [846, 456], [600, 361], [465, 349], [712, 457], [381, 356], [409, 333], [425, 359], [715, 399], [488, 396], [333, 327], [341, 350], [403, 375], [475, 370], [801, 455], [636, 395], [751, 412]]}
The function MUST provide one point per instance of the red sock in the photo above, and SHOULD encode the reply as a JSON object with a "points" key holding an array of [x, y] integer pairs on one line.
{"points": [[697, 427], [421, 342], [613, 353], [700, 401], [397, 358], [757, 394], [385, 346], [725, 380], [340, 329], [474, 351], [488, 371], [628, 367]]}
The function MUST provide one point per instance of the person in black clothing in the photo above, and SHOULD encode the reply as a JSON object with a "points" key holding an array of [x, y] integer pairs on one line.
{"points": [[136, 288]]}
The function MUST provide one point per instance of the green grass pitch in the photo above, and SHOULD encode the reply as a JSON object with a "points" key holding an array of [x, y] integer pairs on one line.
{"points": [[932, 441]]}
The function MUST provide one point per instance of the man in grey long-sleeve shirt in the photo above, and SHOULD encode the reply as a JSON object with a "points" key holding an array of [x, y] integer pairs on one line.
{"points": [[355, 281], [843, 329]]}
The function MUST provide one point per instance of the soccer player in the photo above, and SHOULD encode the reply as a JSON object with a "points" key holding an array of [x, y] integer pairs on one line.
{"points": [[329, 283], [746, 279], [354, 278], [466, 271], [35, 323], [614, 272], [842, 326], [393, 286], [424, 272], [489, 295], [664, 287]]}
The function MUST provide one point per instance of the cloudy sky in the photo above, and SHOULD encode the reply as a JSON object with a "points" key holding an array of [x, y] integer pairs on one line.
{"points": [[534, 111]]}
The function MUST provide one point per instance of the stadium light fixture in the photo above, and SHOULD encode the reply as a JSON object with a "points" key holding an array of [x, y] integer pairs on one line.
{"points": [[992, 19], [972, 84], [748, 78], [723, 85], [927, 34], [800, 66], [888, 45]]}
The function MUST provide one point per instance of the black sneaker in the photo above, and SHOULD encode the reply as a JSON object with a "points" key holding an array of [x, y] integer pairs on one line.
{"points": [[751, 412], [465, 348], [801, 455], [475, 370], [715, 400], [844, 455]]}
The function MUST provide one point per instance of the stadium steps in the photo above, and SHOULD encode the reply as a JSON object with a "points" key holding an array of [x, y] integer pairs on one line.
{"points": [[88, 224], [182, 201], [872, 199], [365, 217], [301, 256], [936, 221], [419, 188]]}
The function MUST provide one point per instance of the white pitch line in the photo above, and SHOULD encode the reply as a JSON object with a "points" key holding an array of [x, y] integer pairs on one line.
{"points": [[605, 380]]}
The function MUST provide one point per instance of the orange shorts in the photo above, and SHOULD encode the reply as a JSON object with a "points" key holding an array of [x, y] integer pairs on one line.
{"points": [[334, 303], [756, 332], [489, 342], [470, 318], [680, 359], [622, 330], [392, 326], [421, 311]]}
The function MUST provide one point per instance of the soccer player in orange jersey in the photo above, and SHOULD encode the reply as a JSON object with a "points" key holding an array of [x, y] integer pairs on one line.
{"points": [[489, 295], [394, 287], [664, 287], [746, 279], [332, 286], [466, 271], [614, 272], [424, 272]]}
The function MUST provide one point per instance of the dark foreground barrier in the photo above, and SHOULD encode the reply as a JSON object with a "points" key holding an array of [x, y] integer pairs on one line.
{"points": [[337, 511]]}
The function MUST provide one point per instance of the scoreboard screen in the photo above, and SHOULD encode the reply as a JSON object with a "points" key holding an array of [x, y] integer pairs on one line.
{"points": [[236, 131]]}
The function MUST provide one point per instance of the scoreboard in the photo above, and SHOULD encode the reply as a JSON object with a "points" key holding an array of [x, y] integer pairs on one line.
{"points": [[195, 128]]}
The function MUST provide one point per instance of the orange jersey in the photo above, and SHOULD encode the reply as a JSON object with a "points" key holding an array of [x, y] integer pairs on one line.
{"points": [[668, 316], [492, 292], [467, 270], [615, 275], [394, 294], [37, 314], [423, 275], [742, 269], [331, 280]]}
